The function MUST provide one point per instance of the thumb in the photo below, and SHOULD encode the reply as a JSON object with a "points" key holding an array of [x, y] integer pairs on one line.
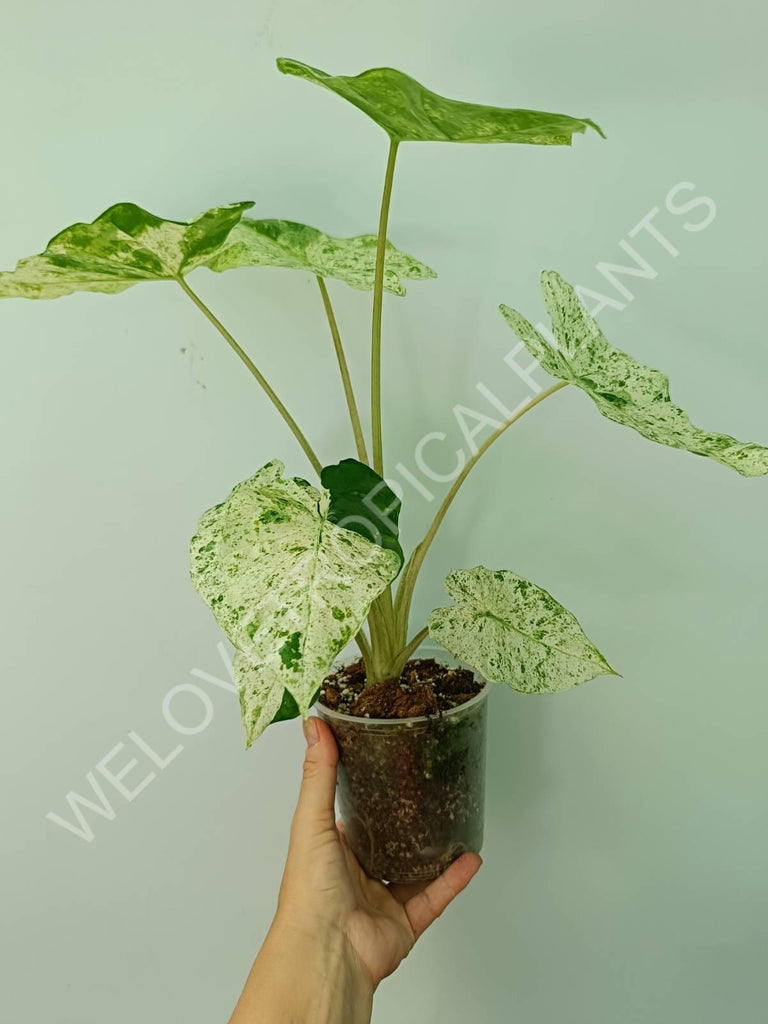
{"points": [[315, 810]]}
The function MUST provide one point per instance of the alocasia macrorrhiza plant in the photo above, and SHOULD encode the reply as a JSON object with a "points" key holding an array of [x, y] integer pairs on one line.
{"points": [[293, 570]]}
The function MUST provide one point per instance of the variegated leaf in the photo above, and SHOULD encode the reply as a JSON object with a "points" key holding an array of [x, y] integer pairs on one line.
{"points": [[122, 247], [262, 699], [624, 390], [514, 632], [288, 587], [409, 112], [284, 243], [362, 502]]}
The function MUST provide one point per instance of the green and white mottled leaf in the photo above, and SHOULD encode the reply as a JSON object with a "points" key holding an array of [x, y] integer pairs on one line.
{"points": [[409, 112], [284, 243], [121, 248], [624, 390], [127, 245], [513, 632], [258, 700], [361, 501], [289, 587], [262, 701]]}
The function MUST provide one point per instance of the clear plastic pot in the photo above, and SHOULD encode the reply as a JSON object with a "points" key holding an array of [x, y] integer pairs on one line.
{"points": [[412, 790]]}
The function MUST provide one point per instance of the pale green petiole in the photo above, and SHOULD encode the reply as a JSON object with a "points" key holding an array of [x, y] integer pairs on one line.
{"points": [[295, 429], [346, 380], [413, 566], [378, 300]]}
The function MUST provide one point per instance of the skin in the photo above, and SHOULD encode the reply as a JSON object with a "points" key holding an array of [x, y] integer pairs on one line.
{"points": [[337, 933]]}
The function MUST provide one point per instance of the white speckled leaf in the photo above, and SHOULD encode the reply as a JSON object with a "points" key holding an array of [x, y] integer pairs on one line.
{"points": [[261, 696], [287, 586], [624, 390], [122, 247], [284, 243], [514, 632], [409, 112]]}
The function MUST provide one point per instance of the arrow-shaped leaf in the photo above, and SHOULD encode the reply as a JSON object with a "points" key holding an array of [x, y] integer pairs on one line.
{"points": [[362, 502], [409, 112], [514, 632], [126, 245], [284, 243], [624, 390], [288, 587], [122, 247]]}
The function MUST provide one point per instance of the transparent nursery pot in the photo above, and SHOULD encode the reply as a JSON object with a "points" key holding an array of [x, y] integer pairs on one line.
{"points": [[411, 791]]}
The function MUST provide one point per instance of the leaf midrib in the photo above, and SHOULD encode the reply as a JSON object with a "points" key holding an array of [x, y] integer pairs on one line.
{"points": [[533, 640]]}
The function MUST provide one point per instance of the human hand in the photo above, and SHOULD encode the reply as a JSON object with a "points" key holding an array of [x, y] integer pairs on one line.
{"points": [[337, 932]]}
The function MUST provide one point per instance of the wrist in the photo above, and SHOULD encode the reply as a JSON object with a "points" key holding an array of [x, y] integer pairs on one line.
{"points": [[307, 976], [333, 978]]}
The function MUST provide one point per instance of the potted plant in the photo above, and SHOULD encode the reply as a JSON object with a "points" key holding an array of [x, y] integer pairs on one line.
{"points": [[295, 571]]}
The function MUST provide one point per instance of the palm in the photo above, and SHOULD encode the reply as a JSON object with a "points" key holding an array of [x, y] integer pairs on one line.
{"points": [[375, 923], [382, 922]]}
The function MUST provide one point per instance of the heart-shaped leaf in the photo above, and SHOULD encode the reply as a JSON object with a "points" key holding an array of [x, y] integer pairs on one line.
{"points": [[123, 246], [361, 501], [624, 390], [283, 243], [409, 112], [514, 632], [289, 587]]}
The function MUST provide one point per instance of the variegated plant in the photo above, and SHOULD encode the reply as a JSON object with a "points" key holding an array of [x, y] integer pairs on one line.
{"points": [[294, 571]]}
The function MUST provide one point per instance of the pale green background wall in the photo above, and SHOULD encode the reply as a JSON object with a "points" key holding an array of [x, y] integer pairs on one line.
{"points": [[625, 876]]}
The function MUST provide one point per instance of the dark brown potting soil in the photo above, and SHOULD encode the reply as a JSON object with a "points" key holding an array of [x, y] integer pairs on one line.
{"points": [[410, 792], [424, 688]]}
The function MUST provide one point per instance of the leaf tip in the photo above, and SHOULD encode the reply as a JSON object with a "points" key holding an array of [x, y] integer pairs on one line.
{"points": [[289, 66], [595, 126]]}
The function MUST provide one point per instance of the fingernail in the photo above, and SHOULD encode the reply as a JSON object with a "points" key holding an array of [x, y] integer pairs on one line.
{"points": [[310, 731]]}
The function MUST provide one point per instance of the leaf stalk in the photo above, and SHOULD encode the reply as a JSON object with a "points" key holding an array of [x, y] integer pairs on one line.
{"points": [[413, 566], [378, 303], [271, 394], [354, 415]]}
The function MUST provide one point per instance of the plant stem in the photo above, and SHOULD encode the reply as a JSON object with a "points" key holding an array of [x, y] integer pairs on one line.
{"points": [[378, 301], [297, 433], [354, 415], [401, 658], [362, 642], [411, 570], [381, 622], [381, 618]]}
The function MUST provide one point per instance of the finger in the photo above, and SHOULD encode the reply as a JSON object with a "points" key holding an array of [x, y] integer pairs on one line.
{"points": [[315, 809], [425, 907], [404, 891]]}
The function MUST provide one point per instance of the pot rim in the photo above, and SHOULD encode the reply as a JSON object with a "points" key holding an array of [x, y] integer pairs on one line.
{"points": [[330, 713]]}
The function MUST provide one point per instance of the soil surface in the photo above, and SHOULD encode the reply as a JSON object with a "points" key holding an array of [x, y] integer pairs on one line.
{"points": [[424, 688]]}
